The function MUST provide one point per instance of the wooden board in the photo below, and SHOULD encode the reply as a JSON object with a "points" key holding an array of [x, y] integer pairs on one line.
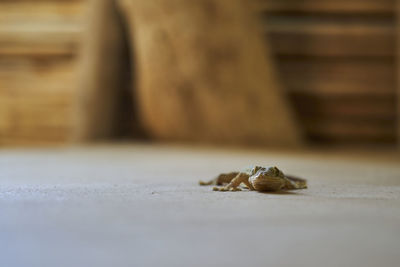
{"points": [[336, 59], [356, 131], [38, 45], [21, 12], [33, 75], [326, 6], [319, 36], [36, 97], [357, 107], [331, 76], [40, 28]]}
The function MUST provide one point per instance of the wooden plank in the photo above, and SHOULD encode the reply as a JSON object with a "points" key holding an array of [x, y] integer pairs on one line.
{"points": [[42, 99], [36, 116], [358, 107], [29, 142], [27, 74], [39, 40], [34, 133], [36, 136], [354, 131], [325, 6], [36, 96], [36, 28], [329, 76], [331, 37], [23, 12], [29, 121]]}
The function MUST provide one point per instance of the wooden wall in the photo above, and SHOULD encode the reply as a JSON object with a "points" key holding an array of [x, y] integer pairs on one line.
{"points": [[337, 61], [39, 40]]}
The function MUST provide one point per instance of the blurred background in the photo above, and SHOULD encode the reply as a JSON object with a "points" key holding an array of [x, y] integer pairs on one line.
{"points": [[335, 63]]}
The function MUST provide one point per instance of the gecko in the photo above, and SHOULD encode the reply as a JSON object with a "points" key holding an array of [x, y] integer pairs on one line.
{"points": [[262, 179]]}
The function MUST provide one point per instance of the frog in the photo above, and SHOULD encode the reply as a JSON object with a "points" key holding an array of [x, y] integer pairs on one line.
{"points": [[257, 178]]}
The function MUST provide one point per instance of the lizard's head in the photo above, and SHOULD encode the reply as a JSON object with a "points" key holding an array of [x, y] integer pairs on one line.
{"points": [[271, 171], [268, 179]]}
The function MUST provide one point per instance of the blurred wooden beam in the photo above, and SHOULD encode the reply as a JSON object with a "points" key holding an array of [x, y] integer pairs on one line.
{"points": [[104, 73], [40, 27], [35, 99], [338, 76], [331, 37], [31, 76], [20, 12], [326, 6], [358, 107], [355, 131]]}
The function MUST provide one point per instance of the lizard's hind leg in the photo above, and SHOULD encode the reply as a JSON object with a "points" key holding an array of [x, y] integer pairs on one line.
{"points": [[233, 185], [224, 178]]}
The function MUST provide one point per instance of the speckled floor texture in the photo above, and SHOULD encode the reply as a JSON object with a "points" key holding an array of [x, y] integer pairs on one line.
{"points": [[140, 205]]}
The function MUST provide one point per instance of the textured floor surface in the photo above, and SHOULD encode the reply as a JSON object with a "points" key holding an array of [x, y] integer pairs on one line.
{"points": [[138, 205]]}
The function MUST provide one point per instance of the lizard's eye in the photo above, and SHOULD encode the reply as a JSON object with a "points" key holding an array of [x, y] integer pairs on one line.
{"points": [[256, 169], [276, 171], [271, 171]]}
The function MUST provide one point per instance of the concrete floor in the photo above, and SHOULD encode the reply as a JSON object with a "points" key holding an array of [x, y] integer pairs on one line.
{"points": [[138, 205]]}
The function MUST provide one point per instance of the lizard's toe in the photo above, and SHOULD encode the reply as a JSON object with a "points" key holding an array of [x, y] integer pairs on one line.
{"points": [[221, 189], [235, 189]]}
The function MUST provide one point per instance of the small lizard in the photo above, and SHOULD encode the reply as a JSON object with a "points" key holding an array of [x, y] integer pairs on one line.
{"points": [[257, 178]]}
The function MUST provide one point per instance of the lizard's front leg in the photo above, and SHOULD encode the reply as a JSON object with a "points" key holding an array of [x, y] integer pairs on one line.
{"points": [[221, 179], [233, 185]]}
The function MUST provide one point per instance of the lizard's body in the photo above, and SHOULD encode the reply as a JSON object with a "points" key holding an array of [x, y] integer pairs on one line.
{"points": [[257, 178]]}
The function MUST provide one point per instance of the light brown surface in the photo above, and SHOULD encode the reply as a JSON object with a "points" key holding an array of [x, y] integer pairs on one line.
{"points": [[337, 60], [38, 46], [206, 74], [35, 98], [338, 76], [103, 73], [40, 28]]}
